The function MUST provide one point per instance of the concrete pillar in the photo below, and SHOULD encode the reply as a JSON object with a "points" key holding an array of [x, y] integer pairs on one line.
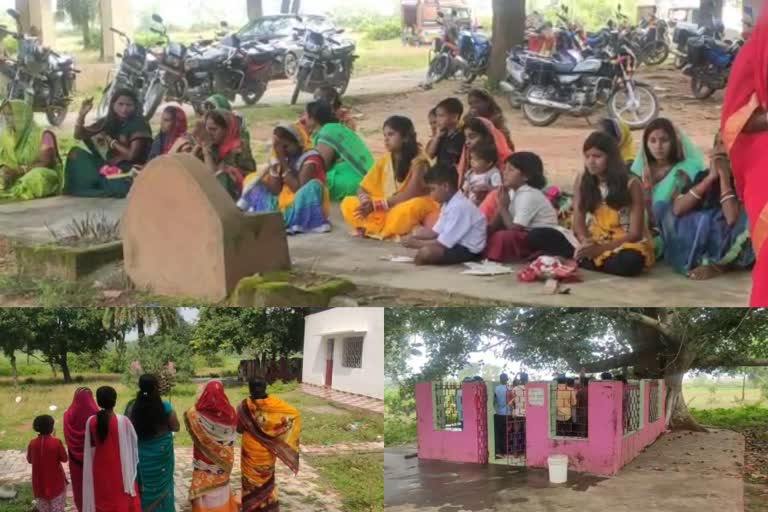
{"points": [[117, 14], [254, 9], [38, 13]]}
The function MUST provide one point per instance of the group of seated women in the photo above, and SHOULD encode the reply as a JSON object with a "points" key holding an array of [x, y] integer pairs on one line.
{"points": [[628, 209]]}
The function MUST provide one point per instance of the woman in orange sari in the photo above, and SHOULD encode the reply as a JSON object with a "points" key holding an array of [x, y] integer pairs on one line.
{"points": [[212, 423], [477, 130], [271, 430], [744, 128]]}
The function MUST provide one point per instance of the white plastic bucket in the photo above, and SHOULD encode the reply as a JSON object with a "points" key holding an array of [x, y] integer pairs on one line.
{"points": [[558, 468]]}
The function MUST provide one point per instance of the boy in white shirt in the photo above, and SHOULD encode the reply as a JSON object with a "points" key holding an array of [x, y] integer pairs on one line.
{"points": [[460, 232]]}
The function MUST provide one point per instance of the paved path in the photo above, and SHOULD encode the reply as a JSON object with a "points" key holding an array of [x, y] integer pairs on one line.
{"points": [[301, 492], [348, 399]]}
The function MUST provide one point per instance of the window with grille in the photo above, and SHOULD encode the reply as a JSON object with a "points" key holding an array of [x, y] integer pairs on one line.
{"points": [[568, 405], [447, 402], [631, 408], [353, 352], [654, 401]]}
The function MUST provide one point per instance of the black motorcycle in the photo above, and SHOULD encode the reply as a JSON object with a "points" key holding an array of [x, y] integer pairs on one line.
{"points": [[583, 88], [708, 63], [326, 62], [241, 69], [134, 72], [39, 75]]}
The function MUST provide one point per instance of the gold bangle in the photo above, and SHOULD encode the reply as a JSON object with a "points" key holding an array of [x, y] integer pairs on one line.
{"points": [[694, 194]]}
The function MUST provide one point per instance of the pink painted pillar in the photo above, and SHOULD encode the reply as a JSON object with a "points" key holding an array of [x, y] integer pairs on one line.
{"points": [[451, 445]]}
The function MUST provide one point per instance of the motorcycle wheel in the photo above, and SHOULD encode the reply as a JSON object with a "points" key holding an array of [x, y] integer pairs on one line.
{"points": [[342, 89], [620, 110], [152, 99], [680, 62], [700, 90], [290, 65], [56, 114], [301, 77], [439, 68], [539, 116], [254, 93], [103, 109], [655, 53]]}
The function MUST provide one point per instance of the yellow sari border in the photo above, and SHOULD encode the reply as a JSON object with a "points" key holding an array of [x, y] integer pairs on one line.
{"points": [[760, 233], [220, 455], [737, 121]]}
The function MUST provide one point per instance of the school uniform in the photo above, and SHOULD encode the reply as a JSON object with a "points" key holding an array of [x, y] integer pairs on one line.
{"points": [[461, 230]]}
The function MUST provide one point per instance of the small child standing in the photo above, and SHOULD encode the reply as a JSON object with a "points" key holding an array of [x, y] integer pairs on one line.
{"points": [[483, 175], [460, 233], [46, 453]]}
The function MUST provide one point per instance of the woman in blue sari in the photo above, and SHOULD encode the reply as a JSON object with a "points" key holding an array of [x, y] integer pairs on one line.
{"points": [[154, 421], [701, 224]]}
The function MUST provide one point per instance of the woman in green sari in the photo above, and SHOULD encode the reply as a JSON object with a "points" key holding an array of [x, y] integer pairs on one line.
{"points": [[219, 102], [30, 166], [154, 421], [344, 152], [116, 146], [702, 229]]}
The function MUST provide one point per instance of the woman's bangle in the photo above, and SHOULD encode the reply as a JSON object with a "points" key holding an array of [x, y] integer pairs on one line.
{"points": [[726, 192], [694, 194], [728, 197]]}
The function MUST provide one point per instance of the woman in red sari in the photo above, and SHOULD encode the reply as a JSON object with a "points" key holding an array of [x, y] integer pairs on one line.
{"points": [[83, 407], [744, 128]]}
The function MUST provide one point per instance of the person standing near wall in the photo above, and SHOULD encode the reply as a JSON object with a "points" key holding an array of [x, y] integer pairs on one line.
{"points": [[566, 400], [500, 402], [518, 413]]}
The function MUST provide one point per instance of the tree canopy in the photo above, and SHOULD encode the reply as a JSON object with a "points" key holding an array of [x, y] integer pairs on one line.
{"points": [[644, 342]]}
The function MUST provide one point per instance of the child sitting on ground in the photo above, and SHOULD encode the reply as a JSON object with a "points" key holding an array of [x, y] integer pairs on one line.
{"points": [[46, 453], [447, 145], [483, 176], [432, 118], [460, 233]]}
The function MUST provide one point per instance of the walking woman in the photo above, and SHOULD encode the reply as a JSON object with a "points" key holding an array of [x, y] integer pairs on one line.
{"points": [[110, 459], [271, 430], [83, 407], [154, 421], [212, 424], [744, 128], [30, 165], [116, 144]]}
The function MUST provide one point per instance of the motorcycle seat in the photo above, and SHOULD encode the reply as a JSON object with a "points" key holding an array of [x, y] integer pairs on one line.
{"points": [[563, 67]]}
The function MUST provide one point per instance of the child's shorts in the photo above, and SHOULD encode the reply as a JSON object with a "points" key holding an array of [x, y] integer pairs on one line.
{"points": [[457, 254], [56, 504]]}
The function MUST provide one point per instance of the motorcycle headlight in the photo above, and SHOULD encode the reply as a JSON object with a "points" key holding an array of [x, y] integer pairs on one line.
{"points": [[311, 47]]}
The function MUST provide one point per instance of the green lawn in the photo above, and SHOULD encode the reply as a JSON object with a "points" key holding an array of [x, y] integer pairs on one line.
{"points": [[322, 422], [389, 56], [22, 502], [720, 396], [358, 478]]}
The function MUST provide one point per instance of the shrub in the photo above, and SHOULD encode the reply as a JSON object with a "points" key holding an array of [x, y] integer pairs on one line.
{"points": [[383, 31], [283, 387], [160, 353], [399, 430]]}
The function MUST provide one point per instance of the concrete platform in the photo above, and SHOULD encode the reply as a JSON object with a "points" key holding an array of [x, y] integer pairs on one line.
{"points": [[338, 253], [682, 472]]}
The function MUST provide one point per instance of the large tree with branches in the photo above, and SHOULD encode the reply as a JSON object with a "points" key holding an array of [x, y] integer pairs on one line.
{"points": [[644, 342]]}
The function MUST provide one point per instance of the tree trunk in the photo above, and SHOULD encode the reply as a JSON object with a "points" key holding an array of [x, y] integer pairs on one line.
{"points": [[285, 8], [140, 329], [65, 368], [677, 413], [53, 369], [121, 349], [86, 34], [255, 9], [296, 6], [14, 371], [508, 30]]}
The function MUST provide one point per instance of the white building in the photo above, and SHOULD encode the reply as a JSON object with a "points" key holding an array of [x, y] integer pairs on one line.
{"points": [[344, 350]]}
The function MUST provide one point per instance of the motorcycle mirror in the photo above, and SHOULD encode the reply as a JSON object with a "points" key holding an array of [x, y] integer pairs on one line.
{"points": [[157, 18], [119, 55], [13, 13]]}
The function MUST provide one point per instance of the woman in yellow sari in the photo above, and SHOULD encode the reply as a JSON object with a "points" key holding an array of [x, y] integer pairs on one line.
{"points": [[212, 423], [393, 198], [271, 430]]}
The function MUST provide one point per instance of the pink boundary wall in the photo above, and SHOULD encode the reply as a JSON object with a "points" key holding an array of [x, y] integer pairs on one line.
{"points": [[453, 446], [606, 450]]}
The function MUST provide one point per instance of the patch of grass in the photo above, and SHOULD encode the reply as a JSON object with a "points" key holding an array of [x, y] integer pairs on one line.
{"points": [[359, 479], [747, 416], [22, 502], [389, 56], [399, 430], [324, 426], [719, 395]]}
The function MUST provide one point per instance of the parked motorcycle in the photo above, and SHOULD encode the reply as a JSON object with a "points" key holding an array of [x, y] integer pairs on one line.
{"points": [[39, 75], [708, 64], [326, 62], [137, 66], [241, 69], [465, 50], [581, 89]]}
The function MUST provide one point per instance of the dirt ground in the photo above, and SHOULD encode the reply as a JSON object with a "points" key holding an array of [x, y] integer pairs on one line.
{"points": [[682, 472]]}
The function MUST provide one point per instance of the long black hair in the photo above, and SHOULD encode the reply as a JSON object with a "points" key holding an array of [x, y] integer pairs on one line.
{"points": [[494, 110], [410, 149], [531, 166], [675, 150], [112, 122], [330, 95], [616, 176], [106, 397], [322, 112], [148, 412]]}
